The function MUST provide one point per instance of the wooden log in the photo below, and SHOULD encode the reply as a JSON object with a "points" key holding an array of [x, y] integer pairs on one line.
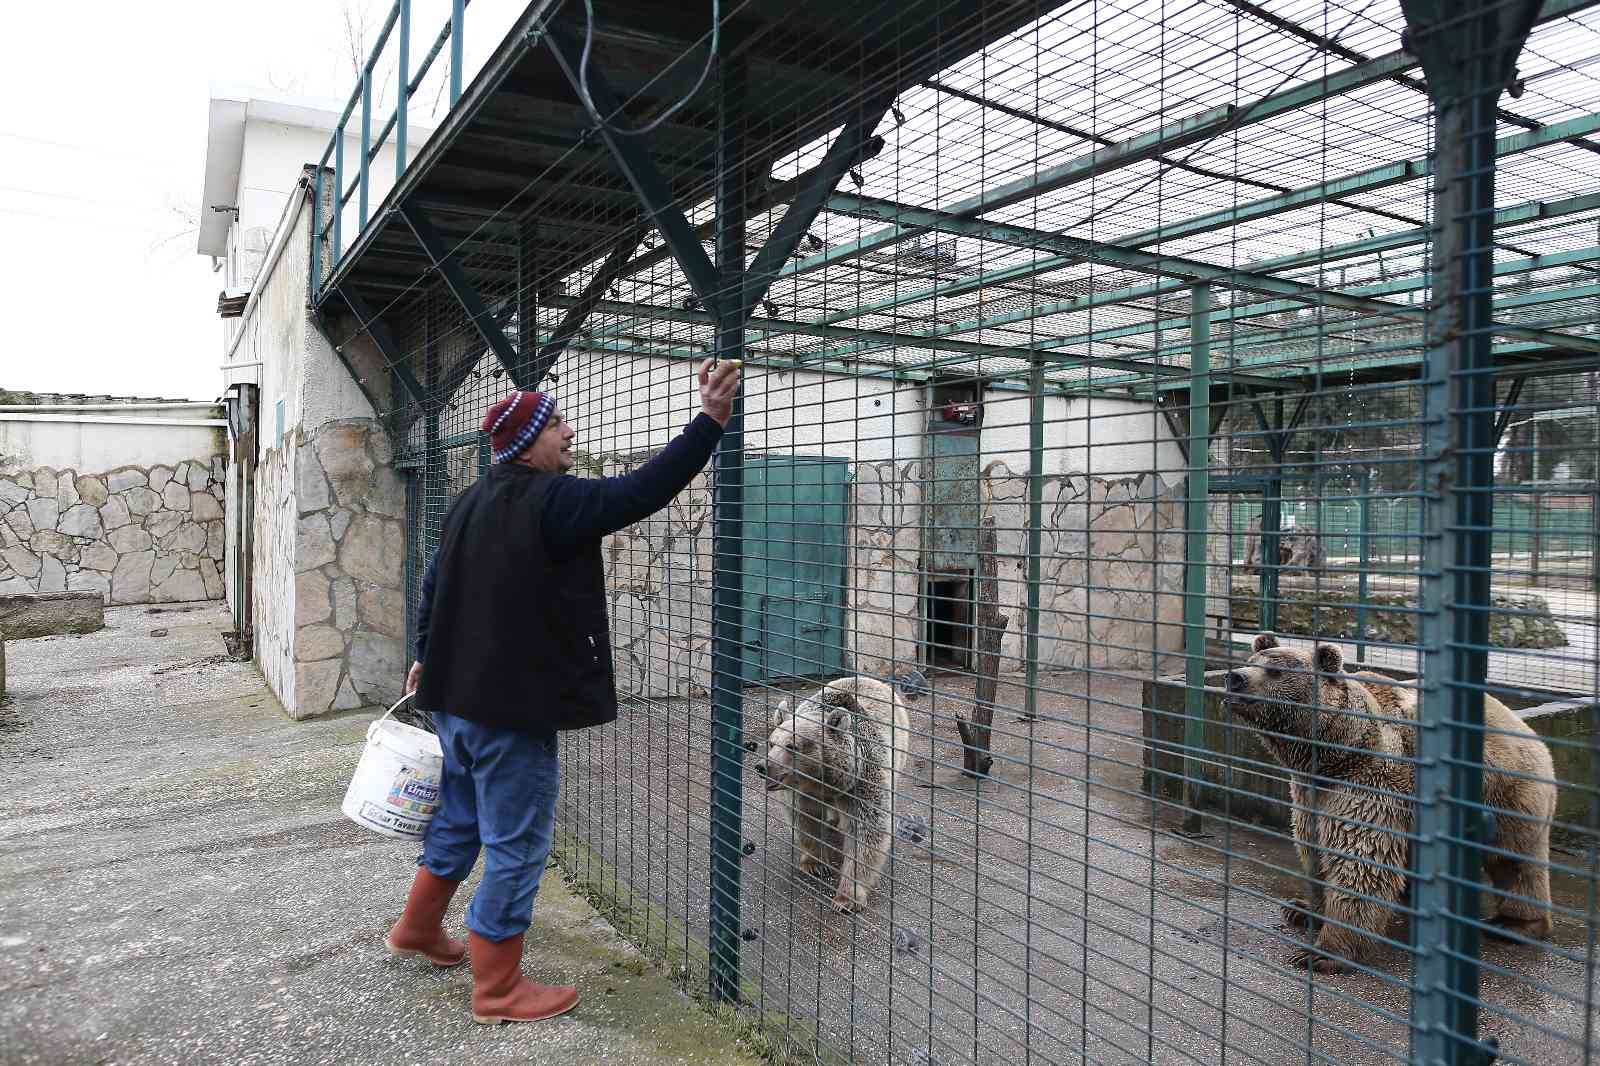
{"points": [[990, 624]]}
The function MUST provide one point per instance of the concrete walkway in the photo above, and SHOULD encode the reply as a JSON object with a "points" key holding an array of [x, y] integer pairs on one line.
{"points": [[177, 884]]}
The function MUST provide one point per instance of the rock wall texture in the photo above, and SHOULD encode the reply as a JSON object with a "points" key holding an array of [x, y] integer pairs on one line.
{"points": [[333, 556], [134, 534], [1328, 610], [1111, 576]]}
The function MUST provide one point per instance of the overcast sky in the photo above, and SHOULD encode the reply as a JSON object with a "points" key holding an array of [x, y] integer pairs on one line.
{"points": [[103, 131]]}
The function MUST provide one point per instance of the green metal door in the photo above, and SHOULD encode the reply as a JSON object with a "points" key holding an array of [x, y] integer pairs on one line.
{"points": [[794, 576]]}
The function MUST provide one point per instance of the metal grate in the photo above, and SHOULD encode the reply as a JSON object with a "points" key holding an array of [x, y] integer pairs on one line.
{"points": [[1083, 342]]}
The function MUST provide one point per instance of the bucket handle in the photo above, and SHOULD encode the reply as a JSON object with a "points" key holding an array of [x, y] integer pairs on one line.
{"points": [[373, 728]]}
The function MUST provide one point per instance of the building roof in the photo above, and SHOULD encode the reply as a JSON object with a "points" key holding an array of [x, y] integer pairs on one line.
{"points": [[230, 109], [21, 397]]}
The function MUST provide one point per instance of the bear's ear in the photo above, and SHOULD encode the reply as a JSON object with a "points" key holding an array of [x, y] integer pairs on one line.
{"points": [[841, 704], [1264, 641], [1330, 659], [779, 713]]}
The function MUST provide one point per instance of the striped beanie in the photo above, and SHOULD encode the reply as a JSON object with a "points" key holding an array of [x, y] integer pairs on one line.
{"points": [[514, 422]]}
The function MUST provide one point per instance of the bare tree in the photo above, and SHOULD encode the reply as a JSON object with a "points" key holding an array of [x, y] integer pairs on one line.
{"points": [[358, 27]]}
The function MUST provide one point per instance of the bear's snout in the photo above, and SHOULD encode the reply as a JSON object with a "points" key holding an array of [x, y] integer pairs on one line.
{"points": [[764, 771]]}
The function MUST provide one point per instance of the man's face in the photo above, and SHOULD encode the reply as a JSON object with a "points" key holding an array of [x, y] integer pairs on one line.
{"points": [[551, 450]]}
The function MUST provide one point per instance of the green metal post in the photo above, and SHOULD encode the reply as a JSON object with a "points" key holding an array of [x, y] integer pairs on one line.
{"points": [[366, 146], [458, 16], [727, 622], [1197, 526], [1035, 532], [413, 568], [338, 196], [433, 472], [403, 84], [1468, 50], [1271, 525], [1364, 551], [483, 453]]}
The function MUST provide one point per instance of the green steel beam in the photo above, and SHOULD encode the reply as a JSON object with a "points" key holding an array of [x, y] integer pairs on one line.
{"points": [[1503, 419], [466, 294], [458, 32], [585, 303], [1034, 544], [1333, 47], [1533, 211], [337, 205], [363, 170], [1224, 219], [403, 89], [393, 354], [632, 158], [1280, 334], [777, 193], [1469, 50], [808, 200], [1273, 336], [1368, 181], [1147, 145], [729, 652], [878, 338], [1189, 270], [1197, 528]]}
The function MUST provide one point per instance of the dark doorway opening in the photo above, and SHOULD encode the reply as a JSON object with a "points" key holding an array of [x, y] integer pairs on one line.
{"points": [[947, 607]]}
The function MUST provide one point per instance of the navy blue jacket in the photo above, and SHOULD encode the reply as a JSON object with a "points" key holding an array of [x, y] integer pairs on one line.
{"points": [[580, 511]]}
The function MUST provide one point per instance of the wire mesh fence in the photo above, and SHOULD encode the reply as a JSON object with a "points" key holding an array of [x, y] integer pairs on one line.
{"points": [[1084, 343]]}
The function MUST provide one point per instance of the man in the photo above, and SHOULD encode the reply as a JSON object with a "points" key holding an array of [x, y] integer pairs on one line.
{"points": [[513, 646]]}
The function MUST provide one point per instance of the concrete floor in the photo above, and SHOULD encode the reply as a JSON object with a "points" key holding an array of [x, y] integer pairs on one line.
{"points": [[177, 884], [1057, 918]]}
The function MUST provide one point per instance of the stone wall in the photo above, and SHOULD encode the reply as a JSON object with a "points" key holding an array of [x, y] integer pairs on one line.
{"points": [[327, 546], [1111, 573], [1112, 576], [330, 565], [659, 575], [134, 534]]}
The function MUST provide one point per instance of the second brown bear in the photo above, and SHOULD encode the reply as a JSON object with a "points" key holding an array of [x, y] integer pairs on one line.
{"points": [[1348, 731]]}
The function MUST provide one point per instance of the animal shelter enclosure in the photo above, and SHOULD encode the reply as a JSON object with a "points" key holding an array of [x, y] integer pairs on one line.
{"points": [[1082, 343]]}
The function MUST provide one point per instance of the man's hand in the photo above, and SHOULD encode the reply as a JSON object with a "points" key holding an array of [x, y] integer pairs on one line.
{"points": [[717, 389], [414, 678]]}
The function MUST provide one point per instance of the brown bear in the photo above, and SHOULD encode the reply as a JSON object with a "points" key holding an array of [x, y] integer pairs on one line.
{"points": [[1350, 732], [840, 754]]}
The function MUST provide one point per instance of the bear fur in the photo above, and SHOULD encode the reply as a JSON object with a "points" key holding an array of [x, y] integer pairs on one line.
{"points": [[840, 754], [1361, 819]]}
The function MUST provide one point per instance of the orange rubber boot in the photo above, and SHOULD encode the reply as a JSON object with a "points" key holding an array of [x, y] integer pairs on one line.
{"points": [[420, 930], [500, 993]]}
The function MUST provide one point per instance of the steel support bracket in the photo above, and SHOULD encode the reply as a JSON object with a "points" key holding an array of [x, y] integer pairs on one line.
{"points": [[632, 158], [373, 326], [852, 143], [1503, 419], [588, 300], [455, 279]]}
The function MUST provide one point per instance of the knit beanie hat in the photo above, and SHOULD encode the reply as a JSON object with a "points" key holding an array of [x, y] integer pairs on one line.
{"points": [[514, 422]]}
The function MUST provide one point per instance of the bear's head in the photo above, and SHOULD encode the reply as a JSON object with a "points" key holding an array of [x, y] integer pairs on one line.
{"points": [[810, 744], [1302, 702]]}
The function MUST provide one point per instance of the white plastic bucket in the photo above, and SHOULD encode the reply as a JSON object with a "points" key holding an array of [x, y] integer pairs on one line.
{"points": [[395, 788]]}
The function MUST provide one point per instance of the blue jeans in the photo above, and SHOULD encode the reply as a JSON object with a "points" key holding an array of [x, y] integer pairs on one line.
{"points": [[498, 792]]}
